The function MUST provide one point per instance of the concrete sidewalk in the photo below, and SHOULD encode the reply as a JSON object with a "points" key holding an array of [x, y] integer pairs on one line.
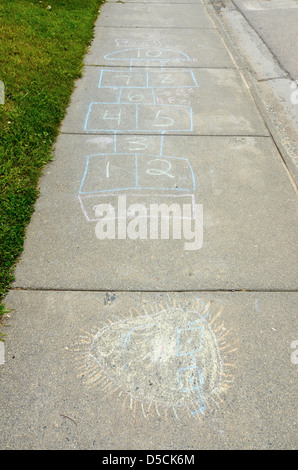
{"points": [[142, 343]]}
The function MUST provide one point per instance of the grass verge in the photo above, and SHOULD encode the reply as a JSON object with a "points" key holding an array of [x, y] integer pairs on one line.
{"points": [[43, 45]]}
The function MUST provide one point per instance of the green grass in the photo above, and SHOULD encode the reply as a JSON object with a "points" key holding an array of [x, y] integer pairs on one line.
{"points": [[42, 53]]}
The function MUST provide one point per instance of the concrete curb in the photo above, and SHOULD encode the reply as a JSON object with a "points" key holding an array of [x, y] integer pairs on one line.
{"points": [[269, 83]]}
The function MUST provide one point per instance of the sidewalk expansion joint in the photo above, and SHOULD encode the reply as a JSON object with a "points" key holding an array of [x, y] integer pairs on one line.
{"points": [[158, 27], [149, 67], [132, 133], [152, 291]]}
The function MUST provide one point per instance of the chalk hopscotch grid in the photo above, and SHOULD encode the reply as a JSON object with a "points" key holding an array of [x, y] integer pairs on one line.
{"points": [[142, 54], [146, 78], [137, 111], [109, 195], [137, 186], [138, 87]]}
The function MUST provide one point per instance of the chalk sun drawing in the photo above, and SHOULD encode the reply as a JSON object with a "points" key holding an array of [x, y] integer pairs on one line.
{"points": [[172, 359]]}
